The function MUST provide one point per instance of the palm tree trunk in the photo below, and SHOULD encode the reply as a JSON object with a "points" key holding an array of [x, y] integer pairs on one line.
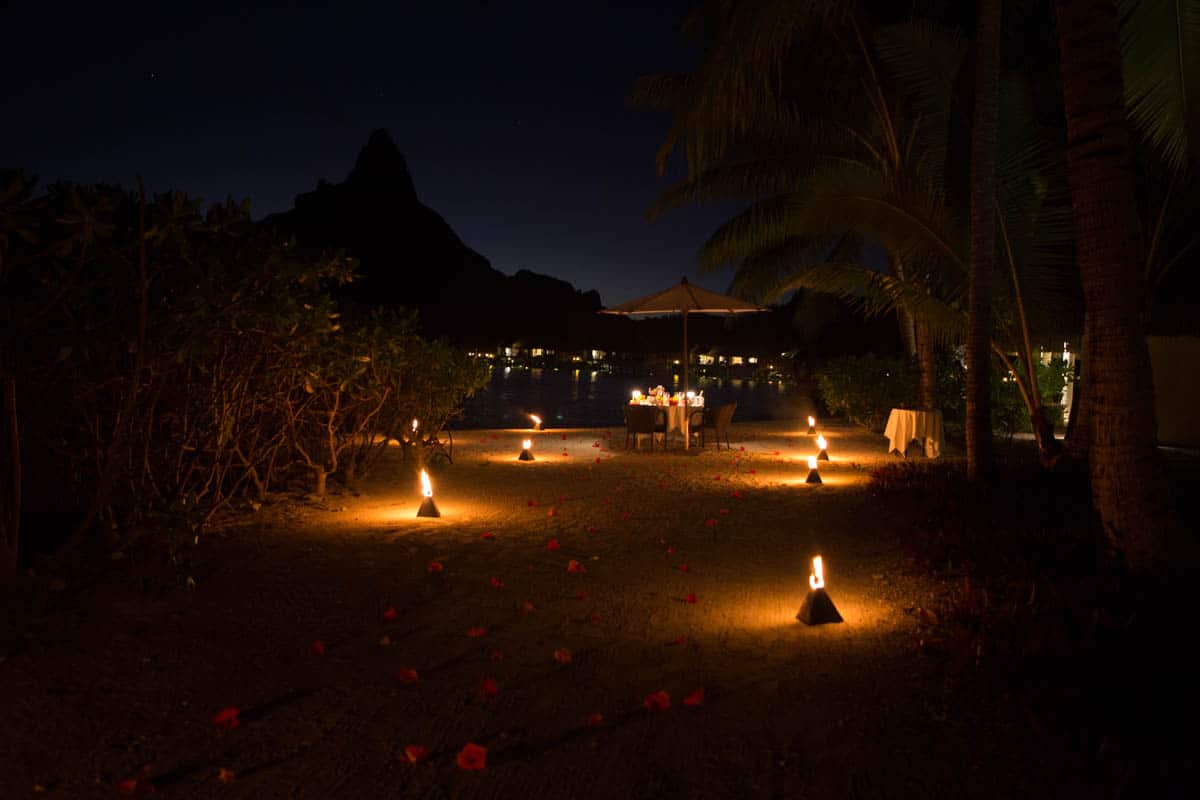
{"points": [[1078, 439], [1129, 489], [927, 367], [983, 239]]}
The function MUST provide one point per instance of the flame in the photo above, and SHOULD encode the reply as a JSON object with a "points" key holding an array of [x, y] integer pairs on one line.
{"points": [[812, 462], [526, 443], [817, 579], [820, 441], [426, 486], [414, 424], [536, 419], [812, 421]]}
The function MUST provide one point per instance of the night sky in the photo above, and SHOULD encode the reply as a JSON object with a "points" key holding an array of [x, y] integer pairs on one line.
{"points": [[512, 115]]}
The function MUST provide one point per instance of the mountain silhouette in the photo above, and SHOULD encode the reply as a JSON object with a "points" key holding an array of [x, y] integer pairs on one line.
{"points": [[410, 257]]}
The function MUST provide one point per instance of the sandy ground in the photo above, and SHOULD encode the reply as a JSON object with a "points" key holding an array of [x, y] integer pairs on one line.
{"points": [[112, 685]]}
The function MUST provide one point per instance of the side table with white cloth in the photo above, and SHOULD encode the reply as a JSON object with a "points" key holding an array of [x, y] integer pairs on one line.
{"points": [[904, 425]]}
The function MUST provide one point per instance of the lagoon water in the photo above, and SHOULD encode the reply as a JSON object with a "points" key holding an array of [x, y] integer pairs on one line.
{"points": [[584, 399]]}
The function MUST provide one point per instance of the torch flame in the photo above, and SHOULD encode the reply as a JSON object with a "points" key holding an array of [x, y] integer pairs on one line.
{"points": [[536, 419], [414, 424], [812, 462], [812, 421], [426, 486], [820, 441], [817, 579], [526, 443]]}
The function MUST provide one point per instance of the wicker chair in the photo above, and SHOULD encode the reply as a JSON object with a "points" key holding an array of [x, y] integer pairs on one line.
{"points": [[715, 419], [645, 419]]}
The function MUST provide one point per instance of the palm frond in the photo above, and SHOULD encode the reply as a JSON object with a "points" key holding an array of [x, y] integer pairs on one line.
{"points": [[1160, 54]]}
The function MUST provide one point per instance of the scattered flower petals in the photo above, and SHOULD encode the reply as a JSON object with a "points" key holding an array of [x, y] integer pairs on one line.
{"points": [[710, 522], [489, 688], [595, 619], [564, 437], [690, 598], [562, 655], [671, 550], [607, 501], [552, 544], [565, 453], [531, 503], [724, 511], [527, 606], [753, 472], [227, 718], [415, 753], [775, 453], [487, 535], [592, 529], [390, 614], [594, 720], [661, 485], [472, 757], [497, 655], [135, 787], [581, 596], [717, 478], [477, 631], [434, 567], [625, 515], [562, 498], [735, 494], [497, 583], [684, 568], [407, 676], [597, 459], [317, 648], [595, 444], [553, 512], [694, 699], [681, 640], [575, 568], [742, 448], [657, 701], [225, 775], [385, 640]]}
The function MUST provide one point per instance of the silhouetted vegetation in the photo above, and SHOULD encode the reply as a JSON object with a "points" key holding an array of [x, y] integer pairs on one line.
{"points": [[165, 361]]}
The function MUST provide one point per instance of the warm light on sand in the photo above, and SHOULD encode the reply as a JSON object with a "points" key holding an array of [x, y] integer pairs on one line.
{"points": [[817, 579], [426, 486]]}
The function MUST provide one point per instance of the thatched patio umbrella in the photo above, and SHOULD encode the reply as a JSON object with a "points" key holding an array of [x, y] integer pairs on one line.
{"points": [[684, 298]]}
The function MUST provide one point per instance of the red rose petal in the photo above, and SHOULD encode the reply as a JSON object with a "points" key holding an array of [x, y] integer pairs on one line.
{"points": [[625, 515], [390, 614], [597, 459], [562, 655], [594, 720], [710, 522], [581, 596], [476, 632], [406, 676], [552, 544], [488, 687], [564, 437], [717, 478], [671, 550], [753, 472], [497, 583], [317, 648], [735, 494], [575, 568], [690, 598], [595, 619], [527, 606], [694, 699], [531, 503], [497, 655], [553, 512], [681, 640], [434, 567], [472, 757], [724, 511], [227, 718], [684, 568], [487, 535], [657, 701]]}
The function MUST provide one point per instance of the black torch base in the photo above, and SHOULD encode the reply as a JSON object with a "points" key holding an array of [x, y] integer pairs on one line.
{"points": [[823, 455], [428, 508], [525, 456], [812, 430], [813, 476], [818, 609]]}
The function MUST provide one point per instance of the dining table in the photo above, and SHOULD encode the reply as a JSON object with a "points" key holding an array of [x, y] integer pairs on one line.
{"points": [[906, 424], [675, 413]]}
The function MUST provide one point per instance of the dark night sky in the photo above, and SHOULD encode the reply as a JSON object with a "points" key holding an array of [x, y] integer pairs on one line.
{"points": [[512, 115]]}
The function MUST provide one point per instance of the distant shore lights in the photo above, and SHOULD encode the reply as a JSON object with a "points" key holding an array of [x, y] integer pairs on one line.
{"points": [[428, 507], [817, 608]]}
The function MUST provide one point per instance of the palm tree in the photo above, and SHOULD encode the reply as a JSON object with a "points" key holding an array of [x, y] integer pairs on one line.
{"points": [[983, 239], [1128, 486]]}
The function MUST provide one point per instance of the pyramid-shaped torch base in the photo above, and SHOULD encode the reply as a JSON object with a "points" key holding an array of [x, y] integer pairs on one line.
{"points": [[428, 508], [813, 476], [525, 456], [818, 609], [812, 430], [823, 455]]}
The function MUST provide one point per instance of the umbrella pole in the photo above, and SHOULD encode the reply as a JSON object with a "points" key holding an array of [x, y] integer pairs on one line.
{"points": [[687, 434]]}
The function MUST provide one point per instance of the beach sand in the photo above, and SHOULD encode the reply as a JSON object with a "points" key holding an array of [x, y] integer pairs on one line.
{"points": [[127, 684]]}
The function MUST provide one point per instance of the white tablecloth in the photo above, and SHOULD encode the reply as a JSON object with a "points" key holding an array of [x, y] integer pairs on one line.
{"points": [[675, 417], [904, 425]]}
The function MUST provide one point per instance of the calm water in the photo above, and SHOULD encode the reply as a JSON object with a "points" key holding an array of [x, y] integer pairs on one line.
{"points": [[565, 399]]}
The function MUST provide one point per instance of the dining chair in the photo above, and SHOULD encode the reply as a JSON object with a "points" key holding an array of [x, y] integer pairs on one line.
{"points": [[715, 419], [645, 420]]}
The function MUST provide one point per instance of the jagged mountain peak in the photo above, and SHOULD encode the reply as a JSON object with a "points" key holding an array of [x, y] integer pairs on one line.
{"points": [[381, 166]]}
